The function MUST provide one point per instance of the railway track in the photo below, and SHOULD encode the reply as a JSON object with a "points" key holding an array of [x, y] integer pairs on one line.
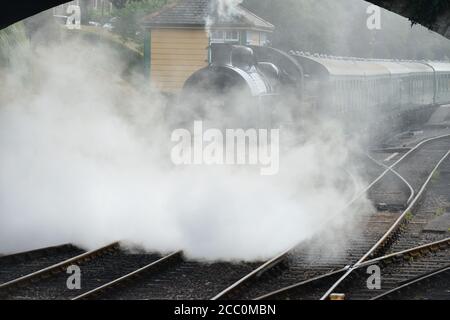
{"points": [[299, 265], [433, 285], [399, 268], [392, 233], [183, 280], [433, 206], [20, 264], [396, 268], [185, 271], [110, 273], [98, 267], [310, 288], [395, 174]]}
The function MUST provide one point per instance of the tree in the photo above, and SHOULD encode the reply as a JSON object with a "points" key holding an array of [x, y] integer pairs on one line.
{"points": [[130, 16], [119, 4]]}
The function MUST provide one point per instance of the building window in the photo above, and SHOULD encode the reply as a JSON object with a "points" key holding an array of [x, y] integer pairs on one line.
{"points": [[220, 36], [232, 36], [217, 36], [264, 39]]}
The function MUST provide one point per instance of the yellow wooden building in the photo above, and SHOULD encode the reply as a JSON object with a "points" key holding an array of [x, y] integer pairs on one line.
{"points": [[178, 38]]}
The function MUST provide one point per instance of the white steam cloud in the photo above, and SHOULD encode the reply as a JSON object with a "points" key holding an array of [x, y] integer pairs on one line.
{"points": [[221, 11], [85, 158], [227, 8]]}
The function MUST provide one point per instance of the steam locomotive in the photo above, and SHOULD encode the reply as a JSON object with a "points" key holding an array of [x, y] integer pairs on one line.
{"points": [[348, 88]]}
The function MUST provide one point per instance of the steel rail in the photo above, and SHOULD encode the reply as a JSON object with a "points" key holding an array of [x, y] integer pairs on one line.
{"points": [[400, 160], [151, 266], [411, 189], [407, 210], [254, 274], [281, 257], [383, 174], [437, 245], [285, 290], [388, 233], [58, 267], [414, 281], [408, 252]]}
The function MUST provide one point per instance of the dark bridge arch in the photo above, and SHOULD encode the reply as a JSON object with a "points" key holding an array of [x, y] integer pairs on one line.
{"points": [[16, 10], [434, 15]]}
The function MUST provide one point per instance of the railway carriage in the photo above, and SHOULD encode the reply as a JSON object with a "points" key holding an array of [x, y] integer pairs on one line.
{"points": [[349, 88], [441, 81], [418, 85], [397, 91]]}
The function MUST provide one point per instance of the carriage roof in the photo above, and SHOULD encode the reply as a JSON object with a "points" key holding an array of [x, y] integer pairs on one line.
{"points": [[343, 67], [417, 67], [439, 66]]}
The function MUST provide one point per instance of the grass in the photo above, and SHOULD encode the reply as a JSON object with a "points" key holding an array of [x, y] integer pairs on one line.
{"points": [[436, 176], [439, 212], [408, 216], [128, 43]]}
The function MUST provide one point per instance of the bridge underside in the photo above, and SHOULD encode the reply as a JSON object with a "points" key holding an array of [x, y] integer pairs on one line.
{"points": [[435, 15]]}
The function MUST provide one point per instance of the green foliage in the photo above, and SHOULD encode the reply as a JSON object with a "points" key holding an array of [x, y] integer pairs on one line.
{"points": [[98, 16], [130, 16], [435, 177], [425, 12], [119, 3], [127, 55], [440, 212], [325, 26], [409, 216], [13, 43], [340, 28]]}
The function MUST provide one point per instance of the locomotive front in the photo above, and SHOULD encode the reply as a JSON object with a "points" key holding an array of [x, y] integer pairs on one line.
{"points": [[242, 85]]}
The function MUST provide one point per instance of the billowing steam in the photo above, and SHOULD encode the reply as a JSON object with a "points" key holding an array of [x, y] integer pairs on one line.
{"points": [[227, 8], [85, 158], [221, 11]]}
